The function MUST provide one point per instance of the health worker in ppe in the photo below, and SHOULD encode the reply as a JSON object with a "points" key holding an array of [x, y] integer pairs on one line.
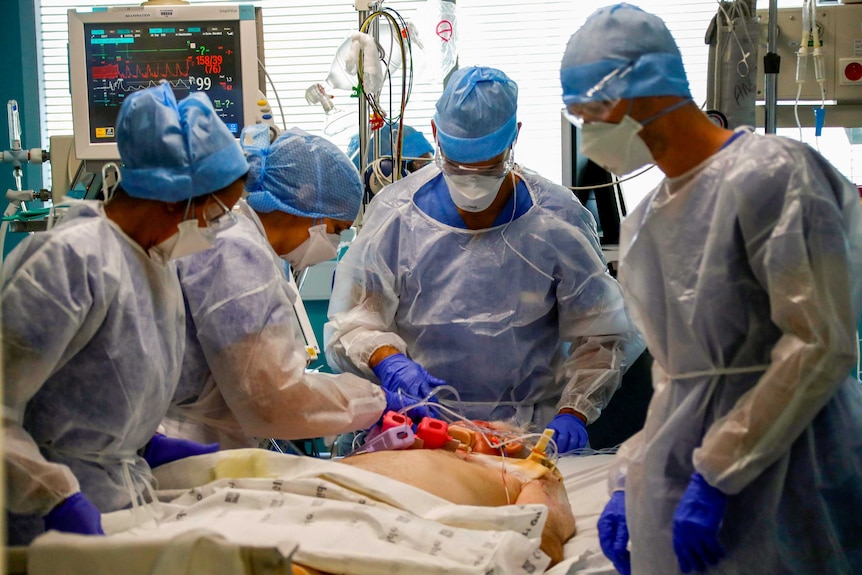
{"points": [[745, 279], [481, 274], [93, 320], [244, 368], [416, 150]]}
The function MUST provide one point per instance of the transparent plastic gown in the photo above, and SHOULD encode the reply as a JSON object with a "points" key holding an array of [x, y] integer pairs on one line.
{"points": [[92, 343], [521, 318], [244, 369], [745, 277]]}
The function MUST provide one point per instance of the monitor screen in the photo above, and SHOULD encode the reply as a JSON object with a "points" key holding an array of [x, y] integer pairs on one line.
{"points": [[599, 191], [117, 51]]}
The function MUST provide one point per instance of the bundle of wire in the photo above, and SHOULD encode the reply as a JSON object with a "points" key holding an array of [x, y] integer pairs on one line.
{"points": [[501, 438], [401, 35]]}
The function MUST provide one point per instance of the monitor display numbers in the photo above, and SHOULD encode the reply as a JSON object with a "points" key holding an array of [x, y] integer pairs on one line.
{"points": [[123, 59]]}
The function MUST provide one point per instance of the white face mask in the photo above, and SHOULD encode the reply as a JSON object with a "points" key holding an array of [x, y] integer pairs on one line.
{"points": [[616, 147], [473, 192], [319, 247], [187, 240]]}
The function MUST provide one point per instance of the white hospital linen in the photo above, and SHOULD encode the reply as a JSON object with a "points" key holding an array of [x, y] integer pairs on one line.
{"points": [[344, 519], [586, 480]]}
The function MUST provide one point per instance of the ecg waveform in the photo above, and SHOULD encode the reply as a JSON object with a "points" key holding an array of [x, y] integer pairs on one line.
{"points": [[150, 70], [119, 85], [199, 59]]}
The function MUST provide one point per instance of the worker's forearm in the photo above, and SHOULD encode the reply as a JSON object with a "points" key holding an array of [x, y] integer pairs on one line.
{"points": [[380, 354], [577, 414]]}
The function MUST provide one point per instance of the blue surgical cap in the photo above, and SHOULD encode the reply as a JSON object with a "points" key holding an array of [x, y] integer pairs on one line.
{"points": [[624, 39], [300, 174], [172, 151], [476, 115], [414, 144]]}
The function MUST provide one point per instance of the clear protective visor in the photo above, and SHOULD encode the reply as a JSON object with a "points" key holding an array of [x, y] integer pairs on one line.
{"points": [[495, 169], [217, 215], [600, 100]]}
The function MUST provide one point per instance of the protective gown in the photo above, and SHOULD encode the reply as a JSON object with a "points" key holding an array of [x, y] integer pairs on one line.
{"points": [[92, 344], [492, 312], [243, 372], [744, 277]]}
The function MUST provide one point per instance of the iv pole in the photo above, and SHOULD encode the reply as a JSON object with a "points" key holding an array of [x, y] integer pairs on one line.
{"points": [[771, 66]]}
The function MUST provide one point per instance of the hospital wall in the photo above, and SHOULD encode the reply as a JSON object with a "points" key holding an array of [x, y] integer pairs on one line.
{"points": [[20, 83]]}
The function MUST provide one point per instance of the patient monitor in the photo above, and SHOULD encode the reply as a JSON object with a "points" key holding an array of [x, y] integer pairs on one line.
{"points": [[116, 51]]}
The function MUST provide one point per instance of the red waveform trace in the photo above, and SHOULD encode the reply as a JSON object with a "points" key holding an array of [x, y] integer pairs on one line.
{"points": [[154, 70], [108, 72]]}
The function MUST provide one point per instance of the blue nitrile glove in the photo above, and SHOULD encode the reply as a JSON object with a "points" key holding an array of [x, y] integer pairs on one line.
{"points": [[614, 533], [569, 432], [696, 523], [405, 382], [75, 515], [162, 449]]}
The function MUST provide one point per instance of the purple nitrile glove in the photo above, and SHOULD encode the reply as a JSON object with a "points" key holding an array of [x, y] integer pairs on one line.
{"points": [[570, 433], [162, 449], [75, 515], [696, 523], [614, 533], [406, 382]]}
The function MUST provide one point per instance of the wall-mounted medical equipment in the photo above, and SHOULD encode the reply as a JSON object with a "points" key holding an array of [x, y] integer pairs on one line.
{"points": [[17, 155], [118, 50], [821, 62], [732, 36]]}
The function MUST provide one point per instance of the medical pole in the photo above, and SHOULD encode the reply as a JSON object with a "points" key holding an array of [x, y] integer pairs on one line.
{"points": [[771, 65], [363, 8]]}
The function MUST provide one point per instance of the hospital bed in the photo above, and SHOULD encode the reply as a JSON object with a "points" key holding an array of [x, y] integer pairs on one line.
{"points": [[265, 508]]}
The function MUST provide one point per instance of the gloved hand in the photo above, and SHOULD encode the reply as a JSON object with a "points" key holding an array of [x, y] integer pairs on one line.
{"points": [[405, 382], [162, 449], [569, 432], [696, 523], [614, 533], [75, 515]]}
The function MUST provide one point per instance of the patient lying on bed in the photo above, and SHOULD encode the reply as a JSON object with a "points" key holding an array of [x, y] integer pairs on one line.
{"points": [[462, 477], [476, 479]]}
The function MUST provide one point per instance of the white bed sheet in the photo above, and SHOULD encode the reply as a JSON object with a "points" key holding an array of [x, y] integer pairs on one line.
{"points": [[586, 479], [206, 524]]}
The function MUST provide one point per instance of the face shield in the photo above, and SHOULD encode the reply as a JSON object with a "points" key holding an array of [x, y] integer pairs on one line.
{"points": [[599, 101], [217, 216], [494, 170]]}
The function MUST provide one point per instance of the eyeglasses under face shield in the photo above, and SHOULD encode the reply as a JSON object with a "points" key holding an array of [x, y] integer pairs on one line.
{"points": [[495, 169], [217, 215], [601, 99]]}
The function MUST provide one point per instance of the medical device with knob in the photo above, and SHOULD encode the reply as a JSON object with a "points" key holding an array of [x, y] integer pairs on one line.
{"points": [[17, 156]]}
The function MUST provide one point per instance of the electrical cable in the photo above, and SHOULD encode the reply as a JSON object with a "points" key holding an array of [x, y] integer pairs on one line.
{"points": [[399, 28], [275, 92]]}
